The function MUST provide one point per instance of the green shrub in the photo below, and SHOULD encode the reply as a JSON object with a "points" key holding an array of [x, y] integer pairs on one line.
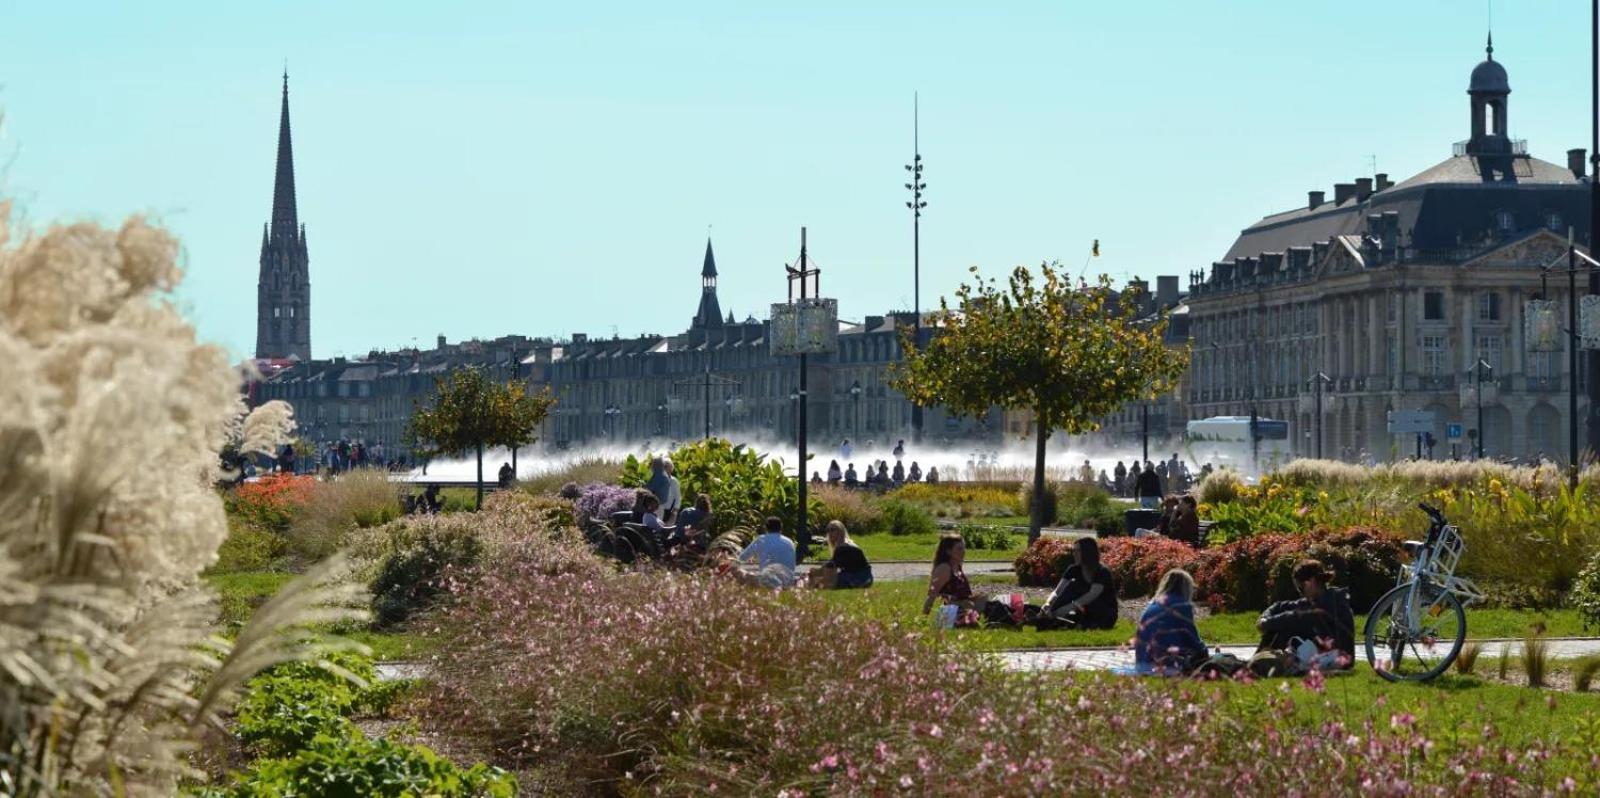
{"points": [[286, 707], [357, 767], [905, 518], [1585, 596], [962, 500], [248, 548], [408, 577], [1082, 506], [856, 509], [977, 536], [745, 487], [1051, 502]]}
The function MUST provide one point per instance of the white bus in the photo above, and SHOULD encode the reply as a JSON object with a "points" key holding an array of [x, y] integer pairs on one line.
{"points": [[1224, 442]]}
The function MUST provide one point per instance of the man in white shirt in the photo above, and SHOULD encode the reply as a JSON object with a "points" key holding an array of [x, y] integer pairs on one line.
{"points": [[674, 499], [773, 557]]}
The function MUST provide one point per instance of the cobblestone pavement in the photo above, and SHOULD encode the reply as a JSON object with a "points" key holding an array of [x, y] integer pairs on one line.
{"points": [[1108, 658]]}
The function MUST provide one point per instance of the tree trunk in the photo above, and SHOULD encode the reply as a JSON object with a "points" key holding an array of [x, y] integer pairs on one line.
{"points": [[1037, 522], [480, 477]]}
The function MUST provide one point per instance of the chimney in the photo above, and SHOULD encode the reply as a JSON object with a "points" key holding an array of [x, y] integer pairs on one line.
{"points": [[873, 323], [1314, 199], [441, 341], [1363, 188], [1575, 159], [1383, 182], [1167, 291], [580, 338], [1342, 192]]}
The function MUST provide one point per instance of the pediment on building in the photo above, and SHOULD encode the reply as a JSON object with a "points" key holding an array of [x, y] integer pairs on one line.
{"points": [[1343, 255], [1531, 251]]}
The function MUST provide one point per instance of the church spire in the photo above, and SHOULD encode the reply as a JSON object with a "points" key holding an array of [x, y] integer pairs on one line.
{"points": [[709, 268], [285, 216]]}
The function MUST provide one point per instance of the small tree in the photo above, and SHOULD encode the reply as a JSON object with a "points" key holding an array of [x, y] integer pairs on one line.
{"points": [[1071, 355], [470, 412]]}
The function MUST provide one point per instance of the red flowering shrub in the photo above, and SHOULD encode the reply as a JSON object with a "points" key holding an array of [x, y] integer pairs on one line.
{"points": [[597, 682], [1139, 563], [270, 502], [1247, 574], [1042, 562]]}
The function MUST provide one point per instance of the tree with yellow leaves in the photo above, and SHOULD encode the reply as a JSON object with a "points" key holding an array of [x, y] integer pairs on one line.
{"points": [[1070, 354], [470, 412]]}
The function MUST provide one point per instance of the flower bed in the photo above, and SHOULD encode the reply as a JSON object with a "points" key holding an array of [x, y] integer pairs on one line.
{"points": [[564, 673], [1245, 575]]}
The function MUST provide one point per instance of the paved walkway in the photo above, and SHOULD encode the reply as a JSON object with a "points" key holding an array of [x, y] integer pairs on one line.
{"points": [[1095, 659], [1101, 659], [897, 571]]}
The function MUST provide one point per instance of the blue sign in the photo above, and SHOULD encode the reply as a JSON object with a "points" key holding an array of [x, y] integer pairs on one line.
{"points": [[1453, 432]]}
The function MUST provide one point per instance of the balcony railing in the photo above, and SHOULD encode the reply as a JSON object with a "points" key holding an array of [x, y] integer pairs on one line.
{"points": [[1518, 147]]}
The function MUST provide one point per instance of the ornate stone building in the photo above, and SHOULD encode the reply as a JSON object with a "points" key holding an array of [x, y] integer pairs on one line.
{"points": [[1396, 291], [283, 292]]}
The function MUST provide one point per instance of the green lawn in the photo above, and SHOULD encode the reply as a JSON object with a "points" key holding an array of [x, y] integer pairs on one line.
{"points": [[243, 592], [1453, 709], [884, 547], [901, 602]]}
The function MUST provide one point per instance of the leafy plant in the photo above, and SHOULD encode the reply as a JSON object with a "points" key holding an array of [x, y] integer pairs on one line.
{"points": [[1504, 665], [1069, 352], [854, 508], [905, 518], [1585, 596], [1583, 673], [408, 578], [598, 501], [271, 502], [341, 766], [248, 548], [285, 708], [980, 537], [1047, 511], [360, 499], [743, 485]]}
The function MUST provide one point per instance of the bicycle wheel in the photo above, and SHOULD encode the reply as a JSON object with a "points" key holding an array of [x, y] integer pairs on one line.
{"points": [[1401, 650]]}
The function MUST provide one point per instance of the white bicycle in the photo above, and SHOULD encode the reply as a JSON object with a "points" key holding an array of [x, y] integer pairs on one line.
{"points": [[1416, 630]]}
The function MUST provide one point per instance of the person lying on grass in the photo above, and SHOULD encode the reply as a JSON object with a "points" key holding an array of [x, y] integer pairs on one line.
{"points": [[1086, 596], [1322, 615], [847, 569], [768, 561], [1167, 641], [948, 581]]}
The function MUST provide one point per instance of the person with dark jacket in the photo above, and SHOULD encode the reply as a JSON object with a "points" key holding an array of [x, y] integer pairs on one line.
{"points": [[1086, 596], [1322, 615], [849, 563], [659, 483], [1147, 486], [1185, 525]]}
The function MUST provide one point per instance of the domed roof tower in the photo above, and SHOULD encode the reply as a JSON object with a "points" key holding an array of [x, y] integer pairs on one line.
{"points": [[1489, 89]]}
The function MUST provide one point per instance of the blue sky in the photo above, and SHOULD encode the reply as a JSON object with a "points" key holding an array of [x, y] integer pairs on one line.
{"points": [[476, 169]]}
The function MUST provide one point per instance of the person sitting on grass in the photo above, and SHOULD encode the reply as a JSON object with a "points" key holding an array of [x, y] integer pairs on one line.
{"points": [[1167, 641], [850, 477], [933, 475], [772, 556], [834, 474], [1086, 596], [848, 567], [1322, 615], [948, 582]]}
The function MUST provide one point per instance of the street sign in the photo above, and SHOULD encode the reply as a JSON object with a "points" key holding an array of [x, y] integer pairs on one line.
{"points": [[1452, 433], [1403, 422]]}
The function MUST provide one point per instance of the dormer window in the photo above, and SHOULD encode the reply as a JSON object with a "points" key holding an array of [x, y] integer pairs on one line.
{"points": [[1504, 221], [1552, 222]]}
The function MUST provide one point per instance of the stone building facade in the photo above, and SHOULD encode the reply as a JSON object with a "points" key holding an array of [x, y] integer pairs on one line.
{"points": [[1395, 291]]}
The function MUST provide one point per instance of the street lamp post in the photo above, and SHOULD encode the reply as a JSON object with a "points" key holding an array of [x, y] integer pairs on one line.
{"points": [[1594, 221], [1320, 379], [916, 205], [661, 423], [1144, 428], [1478, 369], [855, 400]]}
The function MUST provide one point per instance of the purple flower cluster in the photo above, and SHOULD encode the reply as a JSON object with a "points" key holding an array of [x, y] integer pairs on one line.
{"points": [[599, 501], [682, 684]]}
